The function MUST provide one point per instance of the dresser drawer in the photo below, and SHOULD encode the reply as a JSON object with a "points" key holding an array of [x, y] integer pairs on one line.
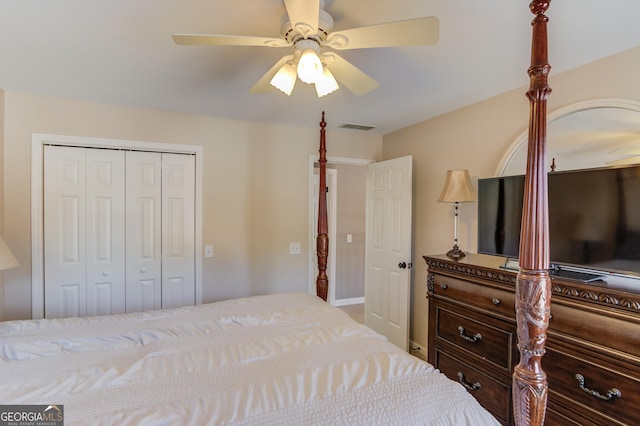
{"points": [[595, 387], [562, 412], [491, 394], [485, 341], [488, 298]]}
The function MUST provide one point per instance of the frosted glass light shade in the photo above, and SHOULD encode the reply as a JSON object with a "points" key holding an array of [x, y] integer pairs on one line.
{"points": [[285, 79], [327, 84], [309, 67], [7, 260]]}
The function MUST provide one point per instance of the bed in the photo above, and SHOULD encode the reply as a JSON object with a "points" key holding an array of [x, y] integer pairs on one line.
{"points": [[267, 360], [278, 359]]}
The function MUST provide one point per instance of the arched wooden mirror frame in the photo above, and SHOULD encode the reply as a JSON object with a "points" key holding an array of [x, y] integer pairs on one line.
{"points": [[519, 145]]}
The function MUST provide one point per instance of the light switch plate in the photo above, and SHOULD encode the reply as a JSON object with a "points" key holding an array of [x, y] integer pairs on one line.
{"points": [[294, 248], [208, 250]]}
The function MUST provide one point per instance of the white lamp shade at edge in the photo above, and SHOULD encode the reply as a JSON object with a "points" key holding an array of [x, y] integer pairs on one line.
{"points": [[7, 259]]}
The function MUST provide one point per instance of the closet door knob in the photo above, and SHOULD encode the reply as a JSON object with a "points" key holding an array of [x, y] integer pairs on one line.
{"points": [[143, 270], [105, 273]]}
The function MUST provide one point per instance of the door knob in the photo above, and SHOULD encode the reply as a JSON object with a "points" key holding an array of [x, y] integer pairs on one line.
{"points": [[402, 265]]}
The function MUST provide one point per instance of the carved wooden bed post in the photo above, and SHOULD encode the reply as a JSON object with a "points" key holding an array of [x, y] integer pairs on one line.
{"points": [[533, 285], [322, 243]]}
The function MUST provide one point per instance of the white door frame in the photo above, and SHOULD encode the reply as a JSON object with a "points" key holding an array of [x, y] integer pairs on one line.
{"points": [[312, 249], [38, 141]]}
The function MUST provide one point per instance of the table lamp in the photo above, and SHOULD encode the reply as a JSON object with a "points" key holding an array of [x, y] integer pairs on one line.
{"points": [[457, 189]]}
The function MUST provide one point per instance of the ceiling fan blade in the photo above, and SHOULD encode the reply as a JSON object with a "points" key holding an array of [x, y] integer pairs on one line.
{"points": [[304, 15], [412, 32], [624, 161], [628, 150], [229, 40], [348, 74], [264, 84]]}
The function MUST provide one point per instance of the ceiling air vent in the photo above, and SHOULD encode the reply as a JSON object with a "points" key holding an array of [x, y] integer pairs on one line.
{"points": [[356, 127]]}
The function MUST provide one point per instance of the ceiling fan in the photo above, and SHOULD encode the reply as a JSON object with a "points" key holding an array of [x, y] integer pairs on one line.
{"points": [[307, 28]]}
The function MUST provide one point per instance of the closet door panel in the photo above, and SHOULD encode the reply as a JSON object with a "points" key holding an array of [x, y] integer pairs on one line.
{"points": [[65, 231], [178, 230], [105, 232], [143, 231]]}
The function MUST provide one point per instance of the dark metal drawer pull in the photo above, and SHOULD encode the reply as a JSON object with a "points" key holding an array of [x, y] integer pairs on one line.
{"points": [[473, 339], [469, 386], [613, 393]]}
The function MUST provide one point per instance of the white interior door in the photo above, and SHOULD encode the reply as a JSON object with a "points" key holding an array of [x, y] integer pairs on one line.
{"points": [[61, 177], [65, 231], [178, 230], [110, 249], [388, 249], [143, 248], [105, 232], [84, 231]]}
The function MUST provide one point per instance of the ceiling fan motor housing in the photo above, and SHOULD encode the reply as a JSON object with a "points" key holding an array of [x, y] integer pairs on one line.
{"points": [[293, 35]]}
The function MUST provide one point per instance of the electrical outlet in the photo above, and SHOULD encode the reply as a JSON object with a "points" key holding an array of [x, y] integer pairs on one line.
{"points": [[294, 248]]}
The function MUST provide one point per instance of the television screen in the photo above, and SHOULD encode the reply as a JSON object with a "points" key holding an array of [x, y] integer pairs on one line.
{"points": [[500, 215], [593, 217]]}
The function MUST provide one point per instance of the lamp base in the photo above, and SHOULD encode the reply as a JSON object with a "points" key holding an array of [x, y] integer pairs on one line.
{"points": [[455, 253]]}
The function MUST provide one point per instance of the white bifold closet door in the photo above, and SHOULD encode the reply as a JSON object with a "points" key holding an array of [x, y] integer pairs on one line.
{"points": [[178, 230], [144, 244], [161, 230], [84, 232], [119, 231]]}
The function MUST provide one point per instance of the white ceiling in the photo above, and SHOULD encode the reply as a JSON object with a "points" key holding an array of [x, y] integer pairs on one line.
{"points": [[121, 52]]}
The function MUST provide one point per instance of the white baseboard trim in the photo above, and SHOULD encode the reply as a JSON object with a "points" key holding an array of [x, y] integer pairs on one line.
{"points": [[417, 347], [352, 301]]}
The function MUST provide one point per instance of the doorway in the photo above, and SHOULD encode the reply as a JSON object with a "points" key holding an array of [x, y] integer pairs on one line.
{"points": [[345, 266]]}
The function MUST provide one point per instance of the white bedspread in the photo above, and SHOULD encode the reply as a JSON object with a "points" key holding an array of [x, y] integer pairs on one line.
{"points": [[288, 359]]}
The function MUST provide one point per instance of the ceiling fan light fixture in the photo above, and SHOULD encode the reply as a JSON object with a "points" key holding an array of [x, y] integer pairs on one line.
{"points": [[327, 84], [285, 79], [309, 67]]}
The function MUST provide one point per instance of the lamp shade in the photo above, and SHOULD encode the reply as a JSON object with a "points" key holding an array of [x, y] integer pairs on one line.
{"points": [[285, 79], [309, 67], [457, 188], [7, 260], [326, 84]]}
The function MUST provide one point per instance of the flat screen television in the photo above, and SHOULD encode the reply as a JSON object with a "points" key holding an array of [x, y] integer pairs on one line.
{"points": [[594, 218]]}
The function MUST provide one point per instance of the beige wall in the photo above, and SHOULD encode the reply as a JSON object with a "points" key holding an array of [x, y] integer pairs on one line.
{"points": [[255, 188], [475, 138], [350, 267]]}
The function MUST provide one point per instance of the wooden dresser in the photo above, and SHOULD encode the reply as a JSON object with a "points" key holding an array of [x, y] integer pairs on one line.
{"points": [[593, 341]]}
